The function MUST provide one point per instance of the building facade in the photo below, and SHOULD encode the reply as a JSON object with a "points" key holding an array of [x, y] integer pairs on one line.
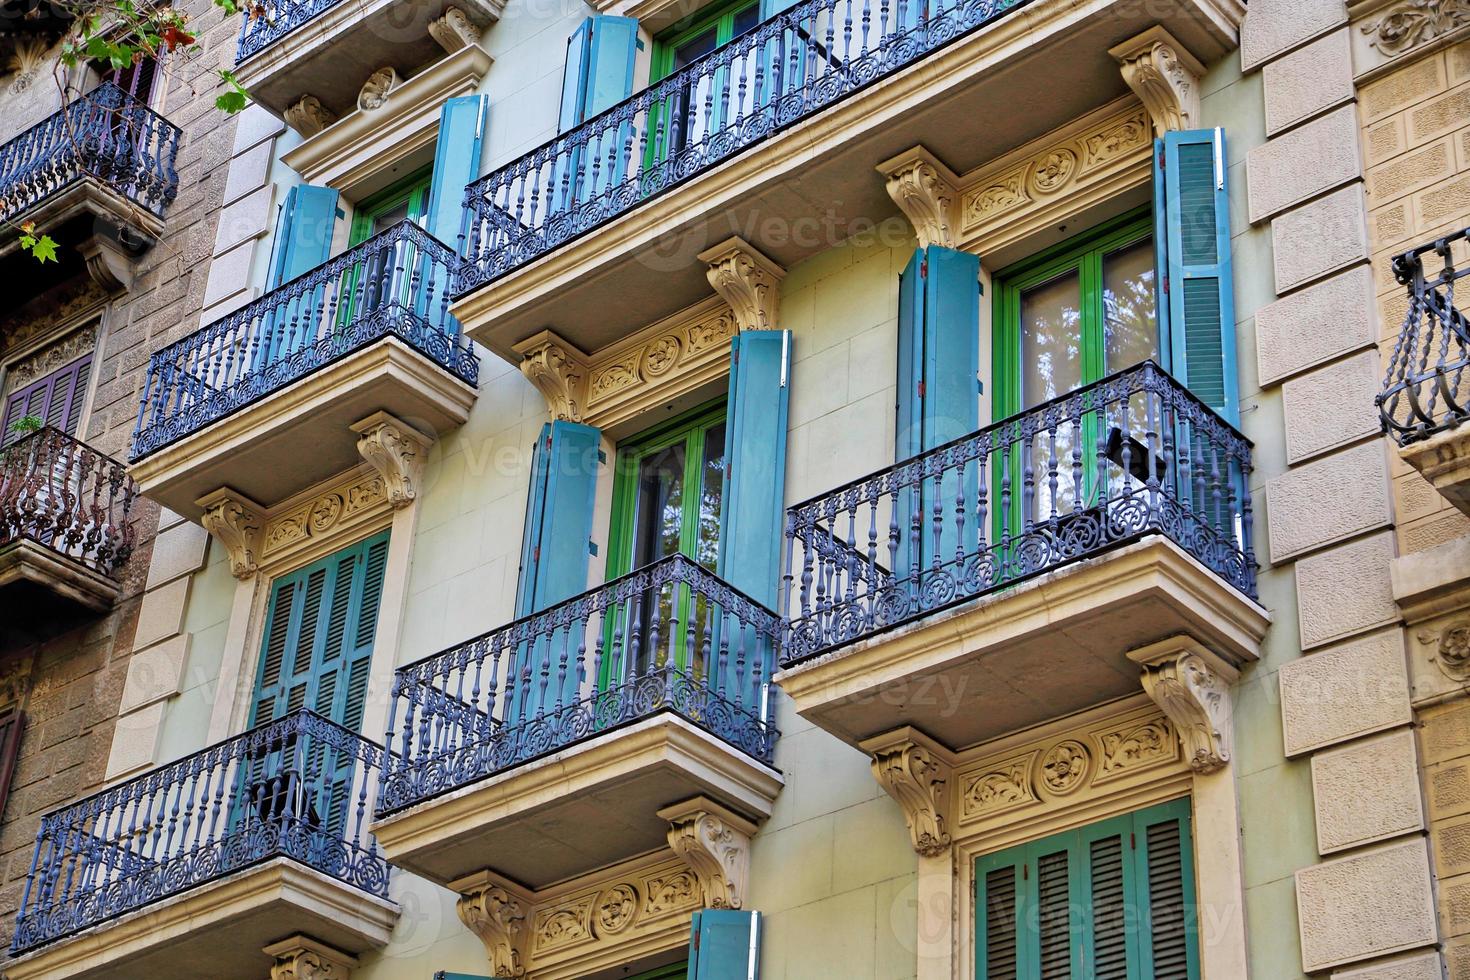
{"points": [[849, 488]]}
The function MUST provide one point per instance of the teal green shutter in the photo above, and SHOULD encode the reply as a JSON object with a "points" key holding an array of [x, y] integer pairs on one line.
{"points": [[456, 163], [725, 944], [574, 78], [1197, 302], [558, 530], [303, 232], [1111, 901], [601, 54]]}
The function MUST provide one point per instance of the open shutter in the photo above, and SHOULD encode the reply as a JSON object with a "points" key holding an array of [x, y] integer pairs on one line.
{"points": [[12, 725], [1196, 297], [601, 55], [725, 944], [56, 399], [574, 78], [554, 546], [303, 232], [456, 163]]}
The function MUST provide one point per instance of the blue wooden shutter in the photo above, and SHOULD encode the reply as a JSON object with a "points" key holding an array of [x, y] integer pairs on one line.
{"points": [[303, 232], [725, 944], [55, 399], [1196, 297], [601, 54], [554, 547], [456, 163], [574, 78]]}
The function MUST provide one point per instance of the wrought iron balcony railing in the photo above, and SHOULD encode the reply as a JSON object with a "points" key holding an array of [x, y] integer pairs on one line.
{"points": [[1427, 388], [258, 32], [787, 69], [392, 285], [668, 637], [1131, 455], [63, 494], [107, 135], [295, 788]]}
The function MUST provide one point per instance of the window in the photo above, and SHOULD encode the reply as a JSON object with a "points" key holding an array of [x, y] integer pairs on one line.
{"points": [[681, 46], [407, 199], [1110, 901], [55, 399]]}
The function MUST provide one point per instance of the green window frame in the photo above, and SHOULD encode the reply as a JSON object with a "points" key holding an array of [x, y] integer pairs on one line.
{"points": [[673, 971], [727, 21], [692, 431], [1114, 900], [722, 17], [410, 194]]}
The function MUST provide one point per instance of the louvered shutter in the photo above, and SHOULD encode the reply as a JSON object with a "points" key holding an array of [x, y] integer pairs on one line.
{"points": [[56, 399], [1171, 949], [1192, 234], [999, 892], [725, 944]]}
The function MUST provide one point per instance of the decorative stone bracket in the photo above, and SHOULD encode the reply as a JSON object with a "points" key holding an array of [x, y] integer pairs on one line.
{"points": [[397, 451], [236, 522], [917, 772], [497, 911], [715, 844], [559, 371], [927, 192], [303, 958], [1192, 686], [308, 116], [1164, 76], [747, 280], [454, 30]]}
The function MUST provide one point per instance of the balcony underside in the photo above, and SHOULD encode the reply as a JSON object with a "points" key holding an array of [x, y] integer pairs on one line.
{"points": [[584, 808], [90, 222], [1444, 460], [1044, 649], [219, 929], [32, 572], [300, 435], [806, 188], [332, 55]]}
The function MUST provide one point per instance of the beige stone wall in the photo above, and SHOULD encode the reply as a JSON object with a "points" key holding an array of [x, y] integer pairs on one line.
{"points": [[76, 684]]}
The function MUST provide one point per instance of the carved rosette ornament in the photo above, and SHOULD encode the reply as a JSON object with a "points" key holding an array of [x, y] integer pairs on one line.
{"points": [[715, 844], [915, 771], [1164, 76], [308, 116], [236, 522], [747, 280], [499, 918], [1192, 686], [559, 371], [397, 451], [303, 958], [926, 191], [1451, 648]]}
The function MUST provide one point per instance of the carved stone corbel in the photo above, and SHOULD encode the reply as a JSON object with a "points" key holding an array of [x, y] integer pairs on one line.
{"points": [[916, 771], [308, 116], [454, 30], [375, 91], [559, 371], [1164, 76], [927, 192], [747, 280], [303, 958], [236, 522], [108, 263], [499, 913], [397, 451], [715, 844], [1192, 686]]}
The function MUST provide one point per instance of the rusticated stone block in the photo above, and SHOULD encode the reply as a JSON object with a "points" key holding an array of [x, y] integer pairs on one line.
{"points": [[1444, 732], [1324, 321], [1400, 89], [1414, 170], [1372, 903], [1442, 203], [1419, 966], [1320, 238], [1331, 406], [1384, 140], [1451, 840], [162, 613], [1308, 81], [1454, 905], [1303, 163], [177, 551], [1344, 692], [1345, 590], [1442, 114], [155, 673], [1327, 500], [1274, 27], [1448, 787], [1367, 791]]}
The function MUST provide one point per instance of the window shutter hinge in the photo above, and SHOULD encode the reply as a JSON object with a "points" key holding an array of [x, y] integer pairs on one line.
{"points": [[922, 389], [536, 553], [592, 547], [1166, 285], [1132, 841], [924, 269], [1161, 158], [1026, 871], [601, 458]]}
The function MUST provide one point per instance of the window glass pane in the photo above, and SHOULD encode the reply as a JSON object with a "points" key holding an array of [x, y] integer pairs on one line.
{"points": [[1130, 327], [707, 548], [746, 19], [1051, 340], [390, 217], [660, 508], [694, 48]]}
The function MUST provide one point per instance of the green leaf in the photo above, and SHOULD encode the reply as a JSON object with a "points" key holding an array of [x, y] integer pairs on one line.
{"points": [[235, 99], [45, 249]]}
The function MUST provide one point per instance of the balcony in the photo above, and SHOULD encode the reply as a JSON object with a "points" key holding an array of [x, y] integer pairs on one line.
{"points": [[233, 405], [1002, 579], [196, 867], [328, 48], [765, 138], [64, 528], [596, 713], [97, 176], [1426, 395]]}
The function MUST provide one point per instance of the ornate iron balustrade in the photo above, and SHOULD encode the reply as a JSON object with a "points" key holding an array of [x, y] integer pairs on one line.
{"points": [[63, 494], [1131, 455], [392, 285], [295, 788], [785, 70], [258, 32], [668, 637], [1427, 388], [107, 135]]}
